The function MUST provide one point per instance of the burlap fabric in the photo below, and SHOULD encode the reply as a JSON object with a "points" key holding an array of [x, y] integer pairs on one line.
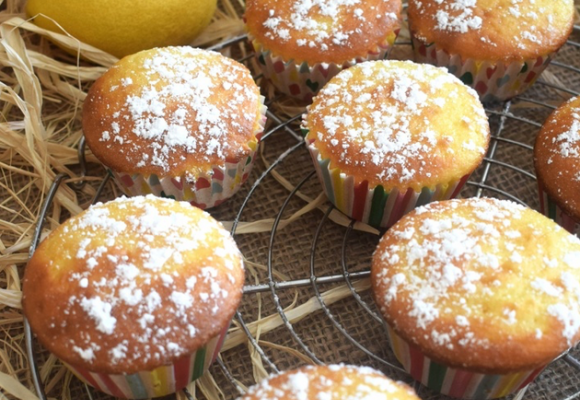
{"points": [[313, 248]]}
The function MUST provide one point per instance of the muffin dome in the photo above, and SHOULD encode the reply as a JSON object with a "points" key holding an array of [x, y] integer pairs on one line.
{"points": [[394, 129], [493, 30], [480, 284], [557, 164], [330, 382], [176, 122], [132, 284]]}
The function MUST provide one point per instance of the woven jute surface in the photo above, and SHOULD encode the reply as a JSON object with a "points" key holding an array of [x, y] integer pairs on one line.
{"points": [[313, 252]]}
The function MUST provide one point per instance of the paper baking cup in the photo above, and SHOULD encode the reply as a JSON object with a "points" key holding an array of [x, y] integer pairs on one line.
{"points": [[457, 382], [302, 80], [161, 381], [493, 81], [375, 206], [551, 210], [205, 190]]}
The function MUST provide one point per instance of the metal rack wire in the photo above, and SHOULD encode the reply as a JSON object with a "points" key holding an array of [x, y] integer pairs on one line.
{"points": [[285, 129]]}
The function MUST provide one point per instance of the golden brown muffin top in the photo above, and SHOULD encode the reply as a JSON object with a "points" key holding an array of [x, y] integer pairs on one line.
{"points": [[171, 111], [323, 31], [557, 157], [493, 30], [132, 284], [480, 284], [330, 382], [398, 124]]}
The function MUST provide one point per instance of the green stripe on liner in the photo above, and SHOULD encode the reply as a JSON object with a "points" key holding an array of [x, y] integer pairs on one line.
{"points": [[378, 206], [436, 376], [425, 197], [137, 386], [552, 212], [485, 387], [199, 363]]}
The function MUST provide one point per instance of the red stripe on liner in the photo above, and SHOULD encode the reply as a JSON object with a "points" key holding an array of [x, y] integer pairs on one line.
{"points": [[459, 186], [460, 383], [112, 387], [360, 197], [399, 207], [181, 372], [220, 343], [530, 378], [541, 199], [86, 376], [417, 360]]}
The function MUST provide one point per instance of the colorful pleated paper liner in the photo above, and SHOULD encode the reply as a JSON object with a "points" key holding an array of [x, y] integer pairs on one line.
{"points": [[551, 210], [161, 381], [301, 80], [492, 81], [205, 190], [457, 382], [375, 206]]}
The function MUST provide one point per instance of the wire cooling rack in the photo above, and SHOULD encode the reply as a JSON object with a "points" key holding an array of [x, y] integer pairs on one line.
{"points": [[308, 260]]}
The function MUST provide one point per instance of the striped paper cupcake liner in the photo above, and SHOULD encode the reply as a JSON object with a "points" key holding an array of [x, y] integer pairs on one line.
{"points": [[550, 209], [161, 381], [205, 190], [493, 81], [302, 80], [457, 382], [375, 206]]}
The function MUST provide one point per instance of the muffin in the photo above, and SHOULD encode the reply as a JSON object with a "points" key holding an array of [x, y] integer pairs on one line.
{"points": [[387, 136], [177, 122], [557, 164], [479, 295], [331, 382], [301, 44], [499, 47], [136, 295]]}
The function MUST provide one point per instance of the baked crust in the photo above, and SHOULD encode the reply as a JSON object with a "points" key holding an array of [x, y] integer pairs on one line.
{"points": [[398, 124], [172, 111], [480, 284], [557, 157], [337, 33], [132, 284], [493, 30], [330, 382]]}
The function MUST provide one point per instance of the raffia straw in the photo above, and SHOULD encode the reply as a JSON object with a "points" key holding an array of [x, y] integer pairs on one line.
{"points": [[12, 386]]}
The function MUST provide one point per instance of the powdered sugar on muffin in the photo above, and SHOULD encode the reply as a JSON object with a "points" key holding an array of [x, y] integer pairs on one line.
{"points": [[382, 119], [169, 107], [138, 281]]}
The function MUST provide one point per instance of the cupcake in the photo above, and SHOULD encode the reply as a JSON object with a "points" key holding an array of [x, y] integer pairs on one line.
{"points": [[479, 295], [498, 47], [387, 136], [177, 122], [301, 44], [330, 382], [557, 164], [136, 295]]}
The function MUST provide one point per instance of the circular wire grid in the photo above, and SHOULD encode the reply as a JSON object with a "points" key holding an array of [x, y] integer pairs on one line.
{"points": [[307, 270]]}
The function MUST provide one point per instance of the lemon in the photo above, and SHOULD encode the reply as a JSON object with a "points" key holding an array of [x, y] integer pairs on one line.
{"points": [[122, 27]]}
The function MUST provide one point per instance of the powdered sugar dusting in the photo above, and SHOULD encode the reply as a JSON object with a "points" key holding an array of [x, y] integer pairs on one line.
{"points": [[462, 263], [460, 21], [525, 24], [323, 24], [132, 292], [329, 383], [567, 143], [381, 116], [192, 103]]}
